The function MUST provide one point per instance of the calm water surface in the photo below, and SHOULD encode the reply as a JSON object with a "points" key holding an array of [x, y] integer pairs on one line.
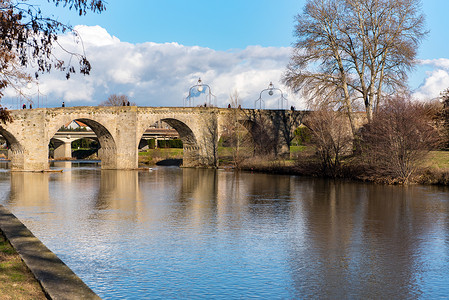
{"points": [[187, 233]]}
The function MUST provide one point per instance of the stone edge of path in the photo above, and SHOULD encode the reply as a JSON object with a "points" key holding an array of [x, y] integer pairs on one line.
{"points": [[56, 278]]}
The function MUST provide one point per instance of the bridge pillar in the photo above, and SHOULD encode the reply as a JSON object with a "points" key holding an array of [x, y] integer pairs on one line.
{"points": [[191, 157], [27, 140], [63, 149], [125, 155]]}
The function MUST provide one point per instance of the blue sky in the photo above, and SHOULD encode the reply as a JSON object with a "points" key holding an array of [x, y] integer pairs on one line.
{"points": [[216, 24], [229, 24], [154, 51]]}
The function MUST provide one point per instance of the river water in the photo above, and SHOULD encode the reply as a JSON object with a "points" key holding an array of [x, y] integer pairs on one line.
{"points": [[172, 233]]}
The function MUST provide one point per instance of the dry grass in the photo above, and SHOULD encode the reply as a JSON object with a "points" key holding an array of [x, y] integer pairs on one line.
{"points": [[16, 280]]}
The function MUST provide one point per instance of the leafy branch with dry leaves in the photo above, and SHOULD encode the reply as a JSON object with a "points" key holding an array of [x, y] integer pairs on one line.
{"points": [[28, 38]]}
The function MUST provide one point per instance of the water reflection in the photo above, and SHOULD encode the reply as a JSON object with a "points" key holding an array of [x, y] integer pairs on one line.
{"points": [[219, 234], [29, 189], [119, 190], [368, 239], [66, 167]]}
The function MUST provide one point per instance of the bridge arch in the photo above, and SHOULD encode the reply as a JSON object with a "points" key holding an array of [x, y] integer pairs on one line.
{"points": [[189, 142], [185, 133], [187, 136], [108, 148], [16, 149]]}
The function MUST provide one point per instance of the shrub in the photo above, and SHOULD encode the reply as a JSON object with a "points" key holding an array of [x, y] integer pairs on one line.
{"points": [[331, 135], [176, 143], [399, 137]]}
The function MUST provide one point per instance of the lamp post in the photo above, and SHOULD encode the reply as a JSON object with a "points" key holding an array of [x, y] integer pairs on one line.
{"points": [[197, 89], [270, 91]]}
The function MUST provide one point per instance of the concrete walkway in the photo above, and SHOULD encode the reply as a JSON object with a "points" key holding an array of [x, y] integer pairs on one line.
{"points": [[57, 280]]}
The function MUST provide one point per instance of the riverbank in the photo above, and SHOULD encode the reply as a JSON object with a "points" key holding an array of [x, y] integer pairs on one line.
{"points": [[16, 280], [434, 170]]}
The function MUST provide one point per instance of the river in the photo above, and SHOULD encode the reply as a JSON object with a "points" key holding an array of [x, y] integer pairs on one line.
{"points": [[172, 233]]}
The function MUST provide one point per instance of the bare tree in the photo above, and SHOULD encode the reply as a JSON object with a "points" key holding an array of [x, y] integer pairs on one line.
{"points": [[265, 136], [350, 50], [332, 137], [445, 114], [210, 138], [117, 100], [399, 137], [234, 134]]}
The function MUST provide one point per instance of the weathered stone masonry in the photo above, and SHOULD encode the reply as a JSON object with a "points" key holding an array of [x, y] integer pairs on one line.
{"points": [[119, 130]]}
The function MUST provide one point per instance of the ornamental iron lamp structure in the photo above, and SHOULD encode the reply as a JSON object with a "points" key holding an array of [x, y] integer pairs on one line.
{"points": [[198, 89], [40, 95], [271, 90]]}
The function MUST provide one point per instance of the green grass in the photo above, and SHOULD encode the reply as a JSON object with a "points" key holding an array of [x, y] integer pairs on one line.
{"points": [[171, 152], [152, 156], [438, 160], [296, 149], [16, 281]]}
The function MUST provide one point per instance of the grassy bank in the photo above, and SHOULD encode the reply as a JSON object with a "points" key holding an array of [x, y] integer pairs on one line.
{"points": [[16, 280], [433, 170], [153, 156]]}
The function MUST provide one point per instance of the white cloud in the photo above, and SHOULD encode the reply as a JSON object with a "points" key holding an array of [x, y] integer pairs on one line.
{"points": [[161, 74], [436, 79], [438, 63]]}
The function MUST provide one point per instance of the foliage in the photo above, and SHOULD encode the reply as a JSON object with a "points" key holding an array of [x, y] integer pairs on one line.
{"points": [[351, 50], [28, 36], [27, 39], [117, 100], [151, 143], [175, 143], [5, 115], [85, 143], [152, 156], [399, 137], [332, 138], [302, 135], [78, 129]]}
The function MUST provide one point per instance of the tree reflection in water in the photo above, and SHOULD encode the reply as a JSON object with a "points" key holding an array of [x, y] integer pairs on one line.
{"points": [[193, 233]]}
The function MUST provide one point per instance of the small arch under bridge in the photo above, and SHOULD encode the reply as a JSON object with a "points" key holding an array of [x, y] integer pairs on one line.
{"points": [[119, 130]]}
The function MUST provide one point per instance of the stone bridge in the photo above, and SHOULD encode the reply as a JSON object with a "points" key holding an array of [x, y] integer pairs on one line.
{"points": [[120, 129]]}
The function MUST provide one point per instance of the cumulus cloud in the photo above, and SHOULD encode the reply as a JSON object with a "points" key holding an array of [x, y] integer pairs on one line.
{"points": [[153, 74], [437, 79]]}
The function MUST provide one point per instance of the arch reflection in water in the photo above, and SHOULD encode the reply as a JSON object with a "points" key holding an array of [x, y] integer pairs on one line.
{"points": [[29, 189]]}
